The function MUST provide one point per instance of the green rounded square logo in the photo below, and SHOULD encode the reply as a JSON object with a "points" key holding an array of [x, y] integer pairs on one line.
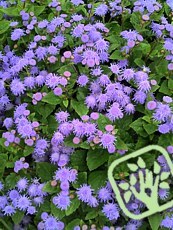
{"points": [[147, 180]]}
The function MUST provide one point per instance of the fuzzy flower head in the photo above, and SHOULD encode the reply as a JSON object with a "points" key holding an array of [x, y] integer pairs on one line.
{"points": [[84, 193]]}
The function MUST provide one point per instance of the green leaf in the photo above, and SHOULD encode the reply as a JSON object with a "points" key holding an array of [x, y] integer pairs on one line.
{"points": [[155, 221], [164, 88], [11, 180], [120, 144], [103, 121], [3, 160], [117, 55], [150, 128], [91, 215], [137, 126], [48, 188], [78, 160], [58, 213], [38, 10], [72, 224], [65, 103], [139, 62], [75, 203], [52, 124], [28, 150], [45, 170], [164, 175], [17, 217], [170, 84], [11, 11], [79, 107], [127, 196], [81, 179], [124, 186], [141, 163], [51, 99], [133, 179], [157, 168], [145, 48], [96, 158], [4, 25], [44, 109], [97, 179], [164, 185], [132, 167], [161, 67]]}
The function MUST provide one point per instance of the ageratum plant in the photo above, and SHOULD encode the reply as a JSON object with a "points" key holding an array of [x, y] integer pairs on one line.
{"points": [[81, 84]]}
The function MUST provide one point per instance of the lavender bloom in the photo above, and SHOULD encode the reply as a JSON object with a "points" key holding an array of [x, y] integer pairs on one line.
{"points": [[101, 10], [170, 4], [162, 112], [9, 210], [82, 80], [17, 34], [104, 194], [111, 211], [23, 203], [167, 222], [84, 193], [61, 201], [77, 2], [17, 87]]}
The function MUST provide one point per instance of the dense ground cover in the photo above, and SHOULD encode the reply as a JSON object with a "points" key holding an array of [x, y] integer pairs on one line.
{"points": [[82, 83]]}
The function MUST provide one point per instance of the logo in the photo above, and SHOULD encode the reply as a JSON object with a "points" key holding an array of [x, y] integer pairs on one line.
{"points": [[143, 182]]}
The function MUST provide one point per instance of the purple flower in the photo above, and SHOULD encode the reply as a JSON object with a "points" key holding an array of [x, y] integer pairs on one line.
{"points": [[17, 87], [57, 138], [170, 149], [77, 2], [17, 34], [29, 82], [41, 53], [167, 222], [162, 112], [62, 174], [107, 140], [51, 223], [82, 80], [139, 97], [23, 202], [31, 210], [115, 68], [8, 122], [151, 105], [170, 4], [13, 194], [78, 31], [101, 45], [84, 193], [52, 80], [163, 194], [164, 128], [111, 211], [144, 86], [61, 201], [129, 108], [101, 10], [104, 194], [9, 210], [62, 116], [22, 184], [115, 112]]}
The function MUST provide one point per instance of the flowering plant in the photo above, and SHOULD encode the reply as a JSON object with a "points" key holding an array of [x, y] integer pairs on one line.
{"points": [[81, 84]]}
